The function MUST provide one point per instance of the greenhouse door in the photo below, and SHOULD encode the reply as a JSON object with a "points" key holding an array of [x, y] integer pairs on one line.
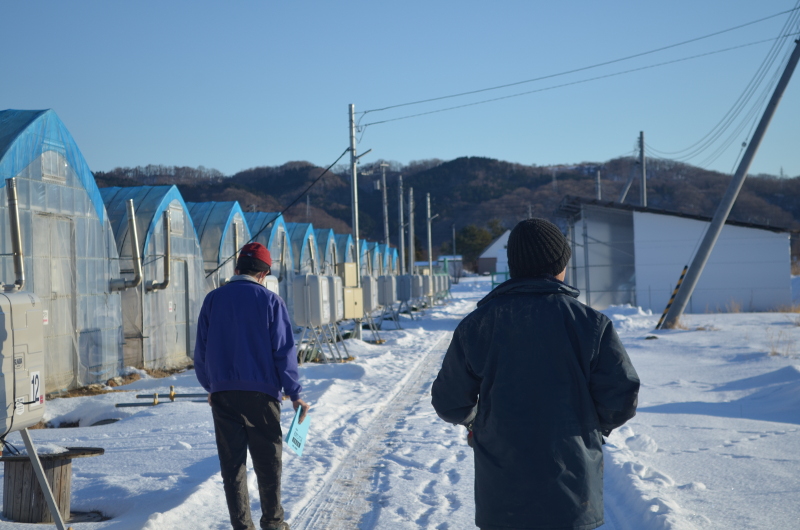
{"points": [[54, 280], [179, 310]]}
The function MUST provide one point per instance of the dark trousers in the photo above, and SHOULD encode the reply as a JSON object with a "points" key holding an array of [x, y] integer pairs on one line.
{"points": [[251, 420]]}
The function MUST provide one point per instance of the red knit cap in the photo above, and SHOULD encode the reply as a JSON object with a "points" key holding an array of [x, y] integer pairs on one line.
{"points": [[256, 251]]}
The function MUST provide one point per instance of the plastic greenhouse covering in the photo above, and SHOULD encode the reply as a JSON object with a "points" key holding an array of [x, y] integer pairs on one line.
{"points": [[159, 325], [68, 247], [304, 247], [386, 259], [345, 249], [326, 250], [269, 229], [222, 231], [376, 259], [365, 257]]}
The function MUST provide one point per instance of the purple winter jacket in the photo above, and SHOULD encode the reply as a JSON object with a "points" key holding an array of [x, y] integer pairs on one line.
{"points": [[245, 341]]}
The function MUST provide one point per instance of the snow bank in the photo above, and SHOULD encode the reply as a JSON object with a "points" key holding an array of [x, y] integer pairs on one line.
{"points": [[629, 318], [637, 495]]}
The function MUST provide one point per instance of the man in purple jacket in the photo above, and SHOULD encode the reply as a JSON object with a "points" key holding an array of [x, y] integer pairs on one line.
{"points": [[243, 357]]}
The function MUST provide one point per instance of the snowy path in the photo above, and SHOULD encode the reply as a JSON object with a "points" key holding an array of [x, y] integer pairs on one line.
{"points": [[348, 498]]}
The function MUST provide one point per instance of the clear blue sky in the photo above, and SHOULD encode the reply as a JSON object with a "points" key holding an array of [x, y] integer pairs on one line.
{"points": [[233, 85]]}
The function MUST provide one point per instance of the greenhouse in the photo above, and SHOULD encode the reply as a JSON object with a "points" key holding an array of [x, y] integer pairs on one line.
{"points": [[222, 231], [326, 250], [376, 259], [304, 247], [160, 314], [269, 229], [386, 259], [395, 261], [365, 258], [345, 249], [69, 253]]}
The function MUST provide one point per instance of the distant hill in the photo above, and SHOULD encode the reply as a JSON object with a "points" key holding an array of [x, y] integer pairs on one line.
{"points": [[470, 191]]}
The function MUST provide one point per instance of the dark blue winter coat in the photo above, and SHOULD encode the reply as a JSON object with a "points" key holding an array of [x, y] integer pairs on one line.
{"points": [[551, 374], [245, 341]]}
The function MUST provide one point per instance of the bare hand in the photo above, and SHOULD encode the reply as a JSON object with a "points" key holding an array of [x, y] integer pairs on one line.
{"points": [[300, 403], [209, 400]]}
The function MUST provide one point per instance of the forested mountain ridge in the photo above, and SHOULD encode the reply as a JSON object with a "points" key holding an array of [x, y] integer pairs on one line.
{"points": [[469, 191]]}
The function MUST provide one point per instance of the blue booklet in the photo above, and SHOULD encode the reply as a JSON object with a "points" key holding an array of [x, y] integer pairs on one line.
{"points": [[296, 437]]}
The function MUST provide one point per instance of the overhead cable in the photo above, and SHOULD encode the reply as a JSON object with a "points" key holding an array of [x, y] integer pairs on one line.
{"points": [[739, 105], [254, 236], [581, 81], [584, 68]]}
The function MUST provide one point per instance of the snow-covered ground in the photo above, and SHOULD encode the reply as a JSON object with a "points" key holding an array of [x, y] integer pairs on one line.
{"points": [[716, 442]]}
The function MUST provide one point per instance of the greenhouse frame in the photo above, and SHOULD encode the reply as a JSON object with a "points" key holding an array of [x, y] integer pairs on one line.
{"points": [[68, 246], [345, 249], [326, 250], [222, 231], [160, 321], [304, 248]]}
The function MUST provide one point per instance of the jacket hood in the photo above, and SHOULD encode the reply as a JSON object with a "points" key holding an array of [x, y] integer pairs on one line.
{"points": [[540, 285]]}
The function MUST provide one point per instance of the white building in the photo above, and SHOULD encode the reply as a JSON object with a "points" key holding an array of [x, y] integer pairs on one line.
{"points": [[495, 257], [636, 256]]}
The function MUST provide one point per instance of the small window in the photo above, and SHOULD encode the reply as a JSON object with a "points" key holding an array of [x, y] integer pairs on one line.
{"points": [[175, 220], [54, 167]]}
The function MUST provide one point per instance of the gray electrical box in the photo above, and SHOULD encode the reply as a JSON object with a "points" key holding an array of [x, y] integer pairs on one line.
{"points": [[404, 291], [387, 290], [312, 305], [336, 298], [416, 286], [22, 360], [370, 287]]}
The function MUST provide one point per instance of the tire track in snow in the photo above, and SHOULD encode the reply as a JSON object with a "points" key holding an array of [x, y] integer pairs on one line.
{"points": [[343, 499]]}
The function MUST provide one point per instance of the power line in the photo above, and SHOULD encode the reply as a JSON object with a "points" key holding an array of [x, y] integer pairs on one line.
{"points": [[574, 82], [254, 236], [738, 106], [584, 68]]}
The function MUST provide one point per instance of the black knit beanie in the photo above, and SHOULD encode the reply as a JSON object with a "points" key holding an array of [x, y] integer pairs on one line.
{"points": [[537, 247]]}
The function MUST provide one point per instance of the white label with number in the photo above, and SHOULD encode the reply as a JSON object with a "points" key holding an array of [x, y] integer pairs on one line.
{"points": [[36, 390], [45, 317]]}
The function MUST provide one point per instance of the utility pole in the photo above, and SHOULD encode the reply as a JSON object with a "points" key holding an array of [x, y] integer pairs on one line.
{"points": [[430, 249], [643, 163], [454, 240], [411, 230], [530, 211], [354, 202], [384, 165], [401, 246], [725, 206], [597, 188]]}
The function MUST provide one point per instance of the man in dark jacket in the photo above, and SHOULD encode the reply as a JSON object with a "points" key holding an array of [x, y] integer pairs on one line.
{"points": [[243, 357], [552, 375]]}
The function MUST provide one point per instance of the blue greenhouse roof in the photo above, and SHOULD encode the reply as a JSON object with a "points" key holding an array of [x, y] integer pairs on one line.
{"points": [[149, 203], [26, 134], [343, 243], [212, 220], [264, 223]]}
